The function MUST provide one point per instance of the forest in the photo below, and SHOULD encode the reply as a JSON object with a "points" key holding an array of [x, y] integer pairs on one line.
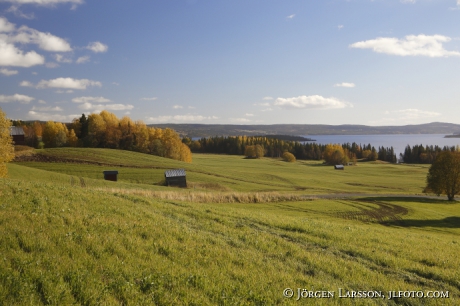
{"points": [[331, 153], [105, 130]]}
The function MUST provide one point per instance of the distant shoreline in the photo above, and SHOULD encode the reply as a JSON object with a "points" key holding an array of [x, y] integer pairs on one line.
{"points": [[452, 136]]}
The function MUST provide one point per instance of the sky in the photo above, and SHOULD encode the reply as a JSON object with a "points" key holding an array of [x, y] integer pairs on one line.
{"points": [[380, 62]]}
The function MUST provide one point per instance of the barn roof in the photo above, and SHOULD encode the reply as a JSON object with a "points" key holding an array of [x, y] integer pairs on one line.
{"points": [[16, 130], [175, 173], [110, 172]]}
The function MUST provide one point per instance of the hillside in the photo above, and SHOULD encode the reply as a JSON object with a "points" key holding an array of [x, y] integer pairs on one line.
{"points": [[208, 130], [225, 240]]}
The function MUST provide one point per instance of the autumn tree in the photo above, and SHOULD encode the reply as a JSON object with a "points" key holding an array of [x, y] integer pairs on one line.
{"points": [[444, 175], [6, 144], [254, 151], [334, 154], [289, 157]]}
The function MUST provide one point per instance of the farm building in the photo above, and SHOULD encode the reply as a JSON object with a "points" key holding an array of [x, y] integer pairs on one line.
{"points": [[110, 175], [339, 167], [175, 177], [18, 135]]}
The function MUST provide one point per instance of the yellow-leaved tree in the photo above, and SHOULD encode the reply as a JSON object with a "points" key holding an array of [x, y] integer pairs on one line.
{"points": [[6, 144]]}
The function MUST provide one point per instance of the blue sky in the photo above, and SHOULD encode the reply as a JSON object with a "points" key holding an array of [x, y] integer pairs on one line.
{"points": [[381, 62]]}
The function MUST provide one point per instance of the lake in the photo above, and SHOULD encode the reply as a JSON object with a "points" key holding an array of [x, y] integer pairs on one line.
{"points": [[397, 141]]}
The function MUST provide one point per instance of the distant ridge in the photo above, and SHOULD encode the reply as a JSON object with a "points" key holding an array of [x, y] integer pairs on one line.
{"points": [[207, 130]]}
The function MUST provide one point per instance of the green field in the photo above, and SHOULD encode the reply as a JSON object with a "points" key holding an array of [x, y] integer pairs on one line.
{"points": [[239, 235]]}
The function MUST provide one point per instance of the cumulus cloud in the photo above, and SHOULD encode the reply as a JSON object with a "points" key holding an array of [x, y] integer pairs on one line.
{"points": [[310, 102], [33, 115], [267, 98], [16, 98], [97, 47], [26, 84], [61, 59], [149, 99], [348, 85], [180, 118], [47, 109], [411, 45], [100, 107], [6, 26], [68, 83], [44, 2], [83, 59], [45, 41], [7, 72], [12, 56], [90, 99]]}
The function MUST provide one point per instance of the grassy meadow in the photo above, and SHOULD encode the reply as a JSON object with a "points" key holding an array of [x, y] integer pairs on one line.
{"points": [[242, 232]]}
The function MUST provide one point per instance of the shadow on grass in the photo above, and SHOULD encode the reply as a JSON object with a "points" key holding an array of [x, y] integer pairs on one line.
{"points": [[449, 222], [410, 199]]}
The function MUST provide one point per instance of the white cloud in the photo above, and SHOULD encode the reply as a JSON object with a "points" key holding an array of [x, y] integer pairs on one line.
{"points": [[44, 2], [310, 102], [51, 65], [101, 107], [405, 116], [26, 84], [64, 91], [7, 72], [241, 120], [61, 59], [47, 108], [348, 85], [97, 47], [411, 45], [262, 104], [149, 99], [68, 83], [83, 59], [5, 25], [18, 13], [12, 56], [180, 118], [290, 16], [249, 115], [178, 107], [33, 115], [340, 26], [16, 98], [41, 101], [267, 98], [408, 1], [45, 41], [90, 99]]}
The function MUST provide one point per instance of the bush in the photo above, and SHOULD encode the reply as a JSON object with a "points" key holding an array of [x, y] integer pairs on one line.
{"points": [[289, 157]]}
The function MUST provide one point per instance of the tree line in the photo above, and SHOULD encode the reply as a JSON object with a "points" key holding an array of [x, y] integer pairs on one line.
{"points": [[105, 130], [260, 146], [419, 154]]}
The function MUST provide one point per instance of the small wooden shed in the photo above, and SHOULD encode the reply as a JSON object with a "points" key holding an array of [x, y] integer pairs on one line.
{"points": [[110, 175], [175, 177], [18, 135], [339, 167]]}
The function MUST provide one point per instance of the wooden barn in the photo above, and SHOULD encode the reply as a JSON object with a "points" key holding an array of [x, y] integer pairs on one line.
{"points": [[18, 135], [175, 177], [110, 175], [339, 167]]}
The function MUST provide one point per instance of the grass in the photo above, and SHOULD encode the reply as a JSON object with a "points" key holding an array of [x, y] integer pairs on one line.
{"points": [[135, 243]]}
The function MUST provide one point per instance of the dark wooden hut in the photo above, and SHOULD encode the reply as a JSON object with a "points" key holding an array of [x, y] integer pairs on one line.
{"points": [[18, 135], [176, 177], [110, 175], [339, 167]]}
